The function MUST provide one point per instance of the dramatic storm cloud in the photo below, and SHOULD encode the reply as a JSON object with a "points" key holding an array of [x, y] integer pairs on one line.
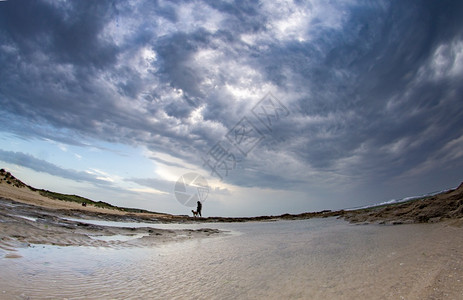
{"points": [[361, 100]]}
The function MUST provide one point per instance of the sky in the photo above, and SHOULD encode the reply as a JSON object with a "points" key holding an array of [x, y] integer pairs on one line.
{"points": [[280, 106]]}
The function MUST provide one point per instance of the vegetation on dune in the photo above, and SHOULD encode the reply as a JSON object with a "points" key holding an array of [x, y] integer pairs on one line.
{"points": [[79, 199], [10, 179]]}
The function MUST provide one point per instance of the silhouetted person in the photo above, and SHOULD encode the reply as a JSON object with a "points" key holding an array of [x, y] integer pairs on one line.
{"points": [[198, 208]]}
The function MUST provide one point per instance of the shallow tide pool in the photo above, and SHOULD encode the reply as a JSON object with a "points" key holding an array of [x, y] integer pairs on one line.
{"points": [[282, 259]]}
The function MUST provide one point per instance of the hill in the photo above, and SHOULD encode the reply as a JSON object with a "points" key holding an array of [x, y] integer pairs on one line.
{"points": [[27, 192]]}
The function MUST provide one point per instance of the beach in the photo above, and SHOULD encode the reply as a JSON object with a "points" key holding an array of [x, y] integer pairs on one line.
{"points": [[231, 149], [304, 259], [55, 249]]}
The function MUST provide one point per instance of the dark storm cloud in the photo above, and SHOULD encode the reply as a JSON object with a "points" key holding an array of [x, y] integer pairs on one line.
{"points": [[373, 87], [243, 16], [43, 166], [176, 51], [382, 51], [410, 38], [68, 33], [50, 57]]}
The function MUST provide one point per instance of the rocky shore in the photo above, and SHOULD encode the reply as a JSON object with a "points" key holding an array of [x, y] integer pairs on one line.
{"points": [[440, 207]]}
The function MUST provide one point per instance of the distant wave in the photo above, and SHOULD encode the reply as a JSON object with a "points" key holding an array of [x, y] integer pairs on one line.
{"points": [[393, 201]]}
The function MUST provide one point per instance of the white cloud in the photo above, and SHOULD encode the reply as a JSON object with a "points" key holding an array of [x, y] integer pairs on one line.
{"points": [[148, 190], [101, 175], [446, 62], [302, 22]]}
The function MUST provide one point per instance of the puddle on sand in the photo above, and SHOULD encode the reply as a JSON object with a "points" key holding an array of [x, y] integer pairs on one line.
{"points": [[196, 268], [169, 226], [118, 237], [25, 217], [277, 260]]}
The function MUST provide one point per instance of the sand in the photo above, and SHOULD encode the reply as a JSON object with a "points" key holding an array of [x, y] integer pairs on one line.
{"points": [[416, 261]]}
